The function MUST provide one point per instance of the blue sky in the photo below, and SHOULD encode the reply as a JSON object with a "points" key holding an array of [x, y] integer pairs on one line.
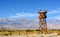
{"points": [[28, 8]]}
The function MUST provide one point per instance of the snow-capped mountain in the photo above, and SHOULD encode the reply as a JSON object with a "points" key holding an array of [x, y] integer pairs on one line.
{"points": [[27, 23]]}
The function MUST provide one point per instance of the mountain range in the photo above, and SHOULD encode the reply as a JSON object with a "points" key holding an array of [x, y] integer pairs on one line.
{"points": [[23, 23]]}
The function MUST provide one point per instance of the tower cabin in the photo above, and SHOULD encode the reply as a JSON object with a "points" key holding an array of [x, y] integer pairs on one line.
{"points": [[42, 14]]}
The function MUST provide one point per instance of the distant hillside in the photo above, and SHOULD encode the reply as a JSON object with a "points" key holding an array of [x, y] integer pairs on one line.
{"points": [[23, 23]]}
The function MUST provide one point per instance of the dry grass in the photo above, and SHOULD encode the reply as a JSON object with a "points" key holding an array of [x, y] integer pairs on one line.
{"points": [[25, 32]]}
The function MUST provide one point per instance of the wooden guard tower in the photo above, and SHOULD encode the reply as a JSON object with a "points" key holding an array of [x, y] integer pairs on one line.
{"points": [[42, 20]]}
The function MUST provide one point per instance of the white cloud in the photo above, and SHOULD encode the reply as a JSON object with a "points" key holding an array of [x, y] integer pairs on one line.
{"points": [[55, 17], [54, 14], [33, 24], [18, 15], [54, 11]]}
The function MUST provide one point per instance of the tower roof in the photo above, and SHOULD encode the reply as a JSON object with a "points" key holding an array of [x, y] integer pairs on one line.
{"points": [[42, 11]]}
